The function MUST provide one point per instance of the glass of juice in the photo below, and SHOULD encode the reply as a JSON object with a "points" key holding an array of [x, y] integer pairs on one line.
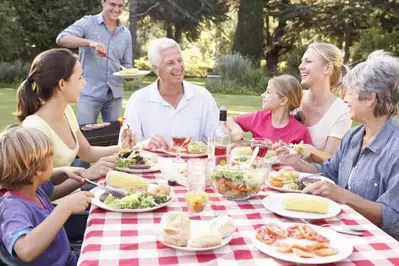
{"points": [[263, 144], [180, 143], [196, 197]]}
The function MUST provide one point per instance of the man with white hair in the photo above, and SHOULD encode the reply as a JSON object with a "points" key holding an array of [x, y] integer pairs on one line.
{"points": [[170, 106]]}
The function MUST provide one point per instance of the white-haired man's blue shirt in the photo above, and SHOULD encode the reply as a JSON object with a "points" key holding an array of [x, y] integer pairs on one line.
{"points": [[196, 115]]}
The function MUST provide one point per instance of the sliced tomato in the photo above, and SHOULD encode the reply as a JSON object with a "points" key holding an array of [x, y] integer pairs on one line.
{"points": [[283, 248], [294, 232], [302, 253], [306, 231], [276, 230], [319, 238], [264, 236]]}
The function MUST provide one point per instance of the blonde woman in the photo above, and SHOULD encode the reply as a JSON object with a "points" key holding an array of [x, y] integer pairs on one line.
{"points": [[275, 122], [327, 115]]}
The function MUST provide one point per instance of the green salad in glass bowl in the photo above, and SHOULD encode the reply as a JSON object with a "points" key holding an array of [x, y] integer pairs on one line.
{"points": [[237, 182]]}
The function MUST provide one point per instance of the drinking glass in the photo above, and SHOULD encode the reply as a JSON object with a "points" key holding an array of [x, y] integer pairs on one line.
{"points": [[263, 144], [179, 142], [196, 197]]}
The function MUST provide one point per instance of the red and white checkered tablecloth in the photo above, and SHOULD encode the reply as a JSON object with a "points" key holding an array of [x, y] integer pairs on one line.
{"points": [[116, 239]]}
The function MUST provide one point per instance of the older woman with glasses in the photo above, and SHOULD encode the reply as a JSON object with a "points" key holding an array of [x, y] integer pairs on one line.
{"points": [[365, 167]]}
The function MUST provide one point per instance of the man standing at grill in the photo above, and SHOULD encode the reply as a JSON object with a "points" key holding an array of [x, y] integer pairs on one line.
{"points": [[95, 36]]}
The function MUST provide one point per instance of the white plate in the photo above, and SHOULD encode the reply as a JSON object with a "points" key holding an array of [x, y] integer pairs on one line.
{"points": [[274, 203], [301, 175], [186, 155], [337, 241], [138, 75], [138, 171], [96, 201], [195, 224]]}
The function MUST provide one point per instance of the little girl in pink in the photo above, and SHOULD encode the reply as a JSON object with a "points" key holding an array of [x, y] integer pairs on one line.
{"points": [[275, 122]]}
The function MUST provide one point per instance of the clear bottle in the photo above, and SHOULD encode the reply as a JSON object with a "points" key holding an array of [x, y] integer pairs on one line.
{"points": [[221, 138]]}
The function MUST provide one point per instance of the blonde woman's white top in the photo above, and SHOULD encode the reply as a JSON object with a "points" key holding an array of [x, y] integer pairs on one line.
{"points": [[335, 123]]}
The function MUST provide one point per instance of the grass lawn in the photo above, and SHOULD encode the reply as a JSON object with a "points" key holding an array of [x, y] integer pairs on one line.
{"points": [[236, 104]]}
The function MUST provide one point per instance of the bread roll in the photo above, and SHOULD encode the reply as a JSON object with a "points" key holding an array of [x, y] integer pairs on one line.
{"points": [[175, 229], [207, 237], [224, 224]]}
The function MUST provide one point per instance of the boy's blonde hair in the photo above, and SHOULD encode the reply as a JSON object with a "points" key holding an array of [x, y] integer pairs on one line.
{"points": [[23, 152]]}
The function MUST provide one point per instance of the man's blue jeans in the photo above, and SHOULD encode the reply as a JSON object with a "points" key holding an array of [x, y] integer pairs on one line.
{"points": [[89, 108]]}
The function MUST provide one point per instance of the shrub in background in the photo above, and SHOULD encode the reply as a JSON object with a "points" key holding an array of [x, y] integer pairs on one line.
{"points": [[13, 72], [132, 85], [238, 76]]}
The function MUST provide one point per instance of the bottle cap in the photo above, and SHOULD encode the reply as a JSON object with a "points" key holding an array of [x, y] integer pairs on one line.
{"points": [[223, 113]]}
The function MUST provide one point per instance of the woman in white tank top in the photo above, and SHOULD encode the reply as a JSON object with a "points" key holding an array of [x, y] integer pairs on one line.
{"points": [[327, 115]]}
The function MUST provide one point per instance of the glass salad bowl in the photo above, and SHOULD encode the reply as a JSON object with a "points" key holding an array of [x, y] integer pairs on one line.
{"points": [[235, 181]]}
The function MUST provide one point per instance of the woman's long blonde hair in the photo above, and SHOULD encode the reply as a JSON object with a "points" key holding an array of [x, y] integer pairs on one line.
{"points": [[333, 55]]}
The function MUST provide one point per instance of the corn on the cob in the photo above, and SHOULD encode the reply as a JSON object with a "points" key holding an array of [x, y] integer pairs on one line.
{"points": [[306, 203], [125, 180]]}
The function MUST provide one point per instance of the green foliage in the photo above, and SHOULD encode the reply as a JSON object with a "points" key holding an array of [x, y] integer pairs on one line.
{"points": [[142, 63], [11, 42], [184, 16], [13, 72], [38, 22], [238, 76], [232, 66], [132, 85], [374, 39]]}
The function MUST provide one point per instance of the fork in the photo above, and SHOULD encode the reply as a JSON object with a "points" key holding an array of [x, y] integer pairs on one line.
{"points": [[340, 228], [103, 54], [114, 192]]}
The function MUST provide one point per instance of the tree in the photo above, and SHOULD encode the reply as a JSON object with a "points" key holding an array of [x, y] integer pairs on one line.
{"points": [[10, 33], [248, 38], [42, 20], [183, 16], [344, 20], [285, 20]]}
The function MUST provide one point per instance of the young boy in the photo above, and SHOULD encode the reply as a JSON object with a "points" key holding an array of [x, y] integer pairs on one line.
{"points": [[31, 229]]}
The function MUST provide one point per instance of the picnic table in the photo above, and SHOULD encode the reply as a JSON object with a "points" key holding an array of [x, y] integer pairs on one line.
{"points": [[115, 239]]}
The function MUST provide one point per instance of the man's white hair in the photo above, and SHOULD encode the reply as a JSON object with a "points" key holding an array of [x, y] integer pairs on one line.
{"points": [[157, 46]]}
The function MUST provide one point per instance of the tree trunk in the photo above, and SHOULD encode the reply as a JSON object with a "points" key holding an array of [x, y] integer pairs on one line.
{"points": [[169, 31], [133, 28], [348, 44], [272, 58], [178, 34], [249, 34]]}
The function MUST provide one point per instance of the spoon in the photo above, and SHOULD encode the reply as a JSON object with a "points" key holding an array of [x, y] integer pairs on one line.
{"points": [[114, 192], [254, 154]]}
